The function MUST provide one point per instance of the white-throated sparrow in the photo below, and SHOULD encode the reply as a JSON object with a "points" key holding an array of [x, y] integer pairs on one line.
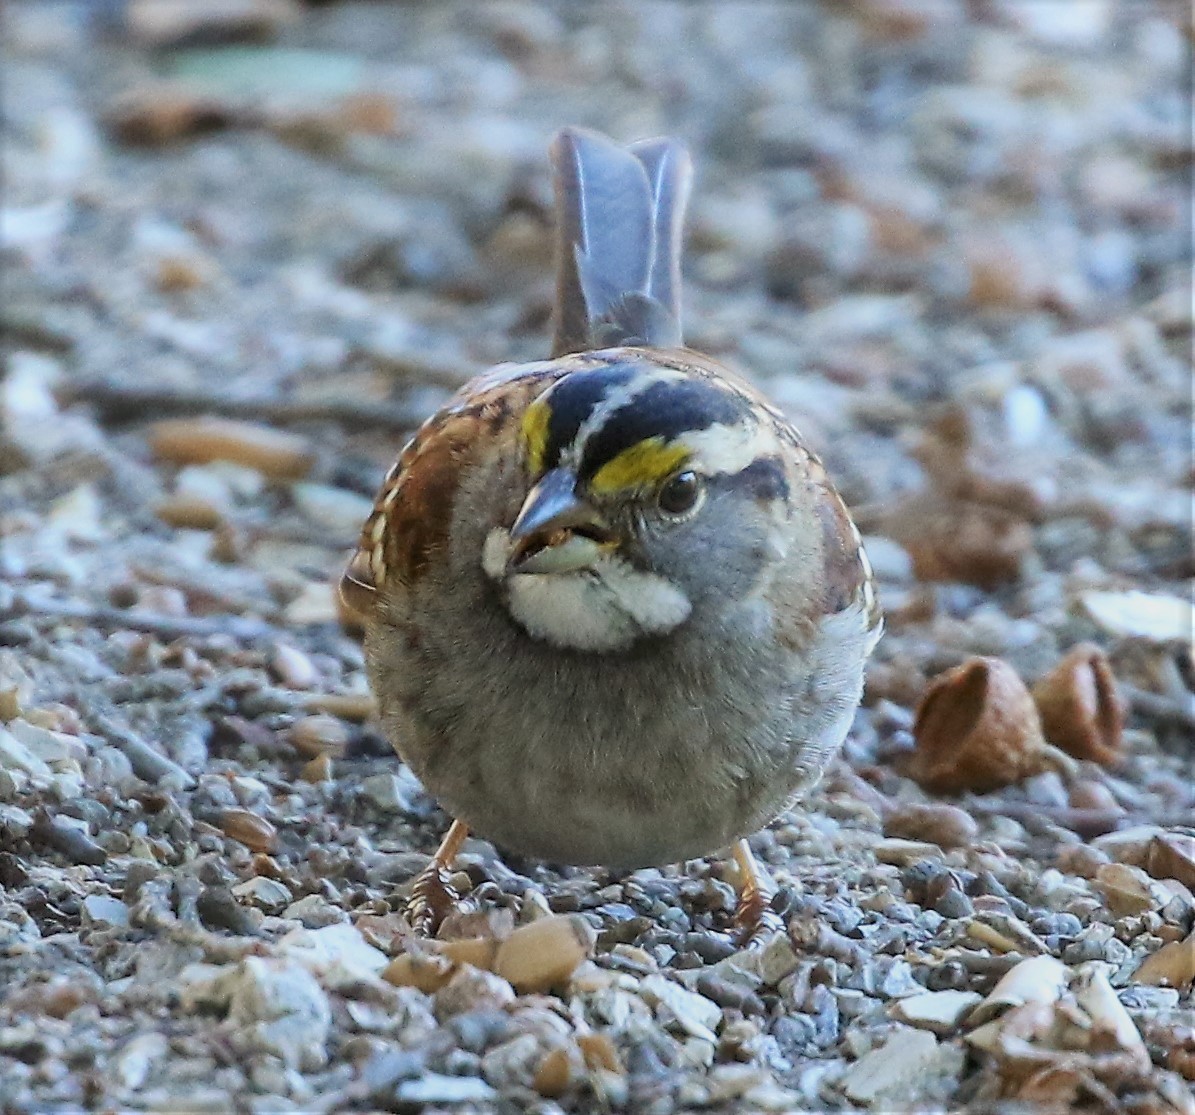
{"points": [[615, 611]]}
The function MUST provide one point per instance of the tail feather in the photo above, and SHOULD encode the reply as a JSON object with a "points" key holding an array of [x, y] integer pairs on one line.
{"points": [[620, 213]]}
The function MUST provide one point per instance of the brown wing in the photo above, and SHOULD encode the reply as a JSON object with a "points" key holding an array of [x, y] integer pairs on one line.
{"points": [[412, 515]]}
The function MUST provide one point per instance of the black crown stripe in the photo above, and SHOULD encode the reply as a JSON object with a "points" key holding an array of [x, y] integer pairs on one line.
{"points": [[574, 399], [665, 410]]}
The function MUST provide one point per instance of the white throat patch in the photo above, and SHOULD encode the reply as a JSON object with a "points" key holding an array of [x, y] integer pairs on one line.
{"points": [[604, 608]]}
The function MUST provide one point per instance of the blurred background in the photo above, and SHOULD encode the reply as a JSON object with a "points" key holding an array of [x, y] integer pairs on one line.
{"points": [[246, 246], [951, 239]]}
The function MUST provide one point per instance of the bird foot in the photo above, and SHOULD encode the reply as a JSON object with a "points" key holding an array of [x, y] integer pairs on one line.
{"points": [[432, 896], [755, 920], [431, 900]]}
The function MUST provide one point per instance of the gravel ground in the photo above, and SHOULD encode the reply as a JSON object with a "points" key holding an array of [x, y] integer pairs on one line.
{"points": [[245, 253]]}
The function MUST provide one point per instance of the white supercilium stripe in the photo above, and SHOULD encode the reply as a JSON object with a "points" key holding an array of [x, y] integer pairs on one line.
{"points": [[727, 449]]}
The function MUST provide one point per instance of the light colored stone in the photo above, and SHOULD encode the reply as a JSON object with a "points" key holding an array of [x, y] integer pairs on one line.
{"points": [[903, 852], [100, 910], [545, 953], [391, 793], [315, 912], [939, 1011], [14, 755], [1142, 615], [693, 1013], [432, 1088], [337, 953], [472, 989], [15, 822], [1129, 890], [315, 604], [263, 892], [336, 509], [1129, 845], [280, 1009], [776, 959], [47, 745], [896, 1067], [133, 1063]]}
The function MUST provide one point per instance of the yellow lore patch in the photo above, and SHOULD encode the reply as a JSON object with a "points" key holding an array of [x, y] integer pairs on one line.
{"points": [[535, 435], [642, 466]]}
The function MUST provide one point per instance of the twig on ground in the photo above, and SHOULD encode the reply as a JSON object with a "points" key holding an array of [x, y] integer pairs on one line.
{"points": [[1157, 706], [120, 403], [137, 619]]}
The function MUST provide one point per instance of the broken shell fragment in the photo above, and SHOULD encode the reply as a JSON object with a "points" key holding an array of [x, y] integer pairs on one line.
{"points": [[1040, 979], [977, 729], [1111, 1027], [1080, 708]]}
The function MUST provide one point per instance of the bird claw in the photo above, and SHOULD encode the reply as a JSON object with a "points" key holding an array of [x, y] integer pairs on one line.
{"points": [[755, 921], [432, 899]]}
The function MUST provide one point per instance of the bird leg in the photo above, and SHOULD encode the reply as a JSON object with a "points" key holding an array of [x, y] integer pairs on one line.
{"points": [[432, 896], [754, 919]]}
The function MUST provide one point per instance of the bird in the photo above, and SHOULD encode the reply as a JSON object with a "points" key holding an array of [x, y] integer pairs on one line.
{"points": [[615, 612]]}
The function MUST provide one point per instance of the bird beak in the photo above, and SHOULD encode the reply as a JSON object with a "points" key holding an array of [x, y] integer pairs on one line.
{"points": [[557, 531]]}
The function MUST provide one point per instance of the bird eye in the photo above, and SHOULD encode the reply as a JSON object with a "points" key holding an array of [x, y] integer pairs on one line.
{"points": [[680, 494]]}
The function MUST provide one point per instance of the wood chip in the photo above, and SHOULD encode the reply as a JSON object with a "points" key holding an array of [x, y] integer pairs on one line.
{"points": [[312, 736], [189, 441], [1109, 1019], [357, 707], [600, 1053], [189, 513], [317, 770], [478, 951]]}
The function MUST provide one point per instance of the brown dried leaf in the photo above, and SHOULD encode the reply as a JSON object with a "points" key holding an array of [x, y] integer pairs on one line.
{"points": [[957, 540]]}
